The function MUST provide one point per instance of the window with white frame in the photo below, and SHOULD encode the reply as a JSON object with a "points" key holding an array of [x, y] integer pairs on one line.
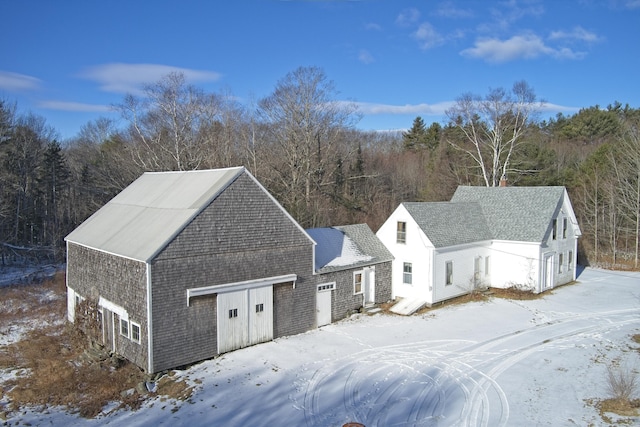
{"points": [[560, 261], [449, 273], [564, 228], [124, 327], [554, 229], [570, 261], [357, 282], [135, 332], [401, 232], [407, 273]]}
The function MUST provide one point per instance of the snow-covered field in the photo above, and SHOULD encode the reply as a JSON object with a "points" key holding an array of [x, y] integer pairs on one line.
{"points": [[492, 363]]}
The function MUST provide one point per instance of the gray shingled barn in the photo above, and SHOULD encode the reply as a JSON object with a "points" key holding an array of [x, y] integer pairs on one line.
{"points": [[188, 265]]}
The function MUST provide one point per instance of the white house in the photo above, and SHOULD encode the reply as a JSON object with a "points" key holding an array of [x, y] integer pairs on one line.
{"points": [[484, 237]]}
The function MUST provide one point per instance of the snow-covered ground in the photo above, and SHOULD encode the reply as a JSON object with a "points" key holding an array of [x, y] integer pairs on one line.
{"points": [[492, 363]]}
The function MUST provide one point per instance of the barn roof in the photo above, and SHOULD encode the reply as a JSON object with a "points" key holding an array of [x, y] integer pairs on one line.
{"points": [[347, 246], [516, 213], [151, 211]]}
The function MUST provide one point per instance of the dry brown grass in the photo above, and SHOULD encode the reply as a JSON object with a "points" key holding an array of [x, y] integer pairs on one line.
{"points": [[51, 363], [516, 294]]}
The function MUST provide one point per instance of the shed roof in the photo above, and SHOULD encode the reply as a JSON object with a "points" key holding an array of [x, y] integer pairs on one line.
{"points": [[448, 224], [515, 213], [347, 246], [151, 211]]}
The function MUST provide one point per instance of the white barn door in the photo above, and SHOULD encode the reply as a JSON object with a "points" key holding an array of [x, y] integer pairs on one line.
{"points": [[260, 315], [369, 277], [232, 321], [244, 318]]}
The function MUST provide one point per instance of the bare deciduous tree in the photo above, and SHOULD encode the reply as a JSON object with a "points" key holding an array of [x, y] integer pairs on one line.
{"points": [[493, 127]]}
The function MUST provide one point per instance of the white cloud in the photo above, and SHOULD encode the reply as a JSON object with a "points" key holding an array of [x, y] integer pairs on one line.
{"points": [[633, 4], [427, 36], [527, 46], [408, 17], [449, 10], [578, 33], [128, 78], [426, 109], [365, 56], [373, 26], [18, 82], [73, 106]]}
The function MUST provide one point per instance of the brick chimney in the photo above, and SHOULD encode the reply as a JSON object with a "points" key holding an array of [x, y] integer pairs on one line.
{"points": [[503, 181]]}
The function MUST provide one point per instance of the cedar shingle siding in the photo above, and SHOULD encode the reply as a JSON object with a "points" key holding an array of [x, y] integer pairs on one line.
{"points": [[242, 235]]}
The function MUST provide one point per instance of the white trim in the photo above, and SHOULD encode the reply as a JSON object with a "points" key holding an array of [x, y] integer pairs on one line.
{"points": [[137, 325], [237, 286], [114, 308], [361, 273], [149, 322]]}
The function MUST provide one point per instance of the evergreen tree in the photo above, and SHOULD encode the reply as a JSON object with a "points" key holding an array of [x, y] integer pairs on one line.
{"points": [[415, 136]]}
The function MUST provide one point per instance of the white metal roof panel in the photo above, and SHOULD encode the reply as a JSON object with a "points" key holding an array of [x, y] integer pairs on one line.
{"points": [[146, 215]]}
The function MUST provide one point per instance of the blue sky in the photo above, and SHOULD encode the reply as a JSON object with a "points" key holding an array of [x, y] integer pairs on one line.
{"points": [[69, 60]]}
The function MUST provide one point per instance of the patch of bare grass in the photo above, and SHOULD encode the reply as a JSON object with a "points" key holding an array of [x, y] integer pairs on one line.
{"points": [[516, 294]]}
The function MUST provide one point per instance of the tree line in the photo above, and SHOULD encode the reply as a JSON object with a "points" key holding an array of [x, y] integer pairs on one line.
{"points": [[303, 145]]}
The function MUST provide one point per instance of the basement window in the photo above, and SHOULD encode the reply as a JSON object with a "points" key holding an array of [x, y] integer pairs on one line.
{"points": [[135, 332], [124, 327], [401, 233]]}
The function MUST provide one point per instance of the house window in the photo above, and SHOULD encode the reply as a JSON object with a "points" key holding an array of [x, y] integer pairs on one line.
{"points": [[560, 260], [401, 235], [570, 261], [564, 228], [124, 327], [233, 313], [259, 308], [554, 229], [487, 265], [407, 272], [135, 332], [449, 273], [357, 283]]}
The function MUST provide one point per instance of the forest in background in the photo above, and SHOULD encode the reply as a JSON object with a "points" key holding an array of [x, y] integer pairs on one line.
{"points": [[302, 144]]}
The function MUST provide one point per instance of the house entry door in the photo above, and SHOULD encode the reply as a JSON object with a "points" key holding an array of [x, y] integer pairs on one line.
{"points": [[547, 274], [323, 303], [369, 278]]}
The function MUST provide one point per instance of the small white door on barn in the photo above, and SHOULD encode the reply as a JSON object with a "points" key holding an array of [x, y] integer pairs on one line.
{"points": [[323, 303], [260, 315], [232, 321], [369, 278]]}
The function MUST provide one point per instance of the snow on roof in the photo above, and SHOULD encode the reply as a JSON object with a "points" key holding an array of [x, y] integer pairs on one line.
{"points": [[349, 246]]}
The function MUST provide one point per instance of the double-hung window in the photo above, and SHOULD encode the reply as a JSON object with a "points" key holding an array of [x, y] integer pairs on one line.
{"points": [[449, 273], [357, 282], [124, 327], [135, 332], [554, 229], [401, 232], [407, 272]]}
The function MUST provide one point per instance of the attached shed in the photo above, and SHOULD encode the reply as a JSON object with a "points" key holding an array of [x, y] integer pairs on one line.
{"points": [[188, 265], [353, 270]]}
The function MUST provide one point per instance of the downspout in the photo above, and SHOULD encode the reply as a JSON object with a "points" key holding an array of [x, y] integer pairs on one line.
{"points": [[149, 323]]}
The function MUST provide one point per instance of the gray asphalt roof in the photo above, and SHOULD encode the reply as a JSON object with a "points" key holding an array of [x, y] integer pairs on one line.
{"points": [[514, 213], [449, 224], [146, 215], [347, 246]]}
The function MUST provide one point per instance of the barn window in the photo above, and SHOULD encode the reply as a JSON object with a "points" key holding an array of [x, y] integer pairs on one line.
{"points": [[401, 235], [564, 228], [554, 231], [357, 282], [124, 327], [135, 332], [259, 308], [449, 273], [233, 313], [407, 273]]}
